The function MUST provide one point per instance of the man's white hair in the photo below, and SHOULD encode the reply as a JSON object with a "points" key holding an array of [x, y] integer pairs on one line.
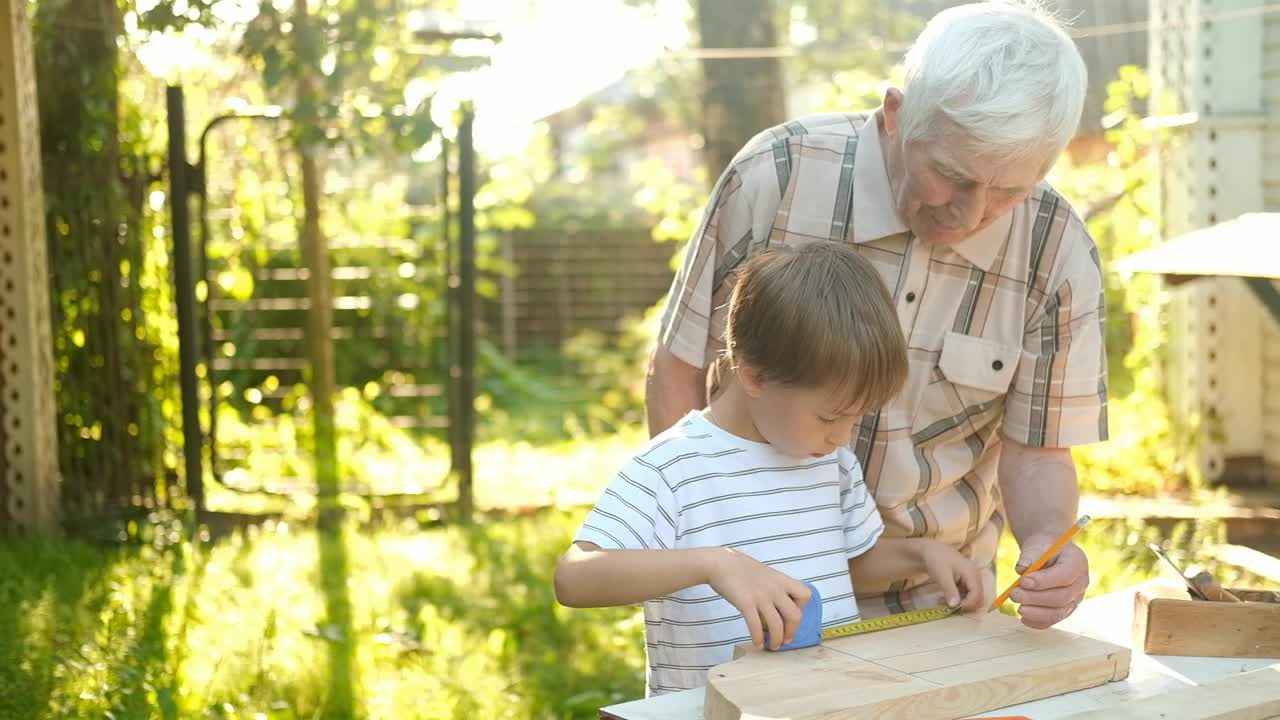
{"points": [[1005, 74]]}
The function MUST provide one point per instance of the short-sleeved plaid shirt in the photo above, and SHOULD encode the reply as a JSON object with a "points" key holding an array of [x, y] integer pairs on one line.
{"points": [[1005, 329]]}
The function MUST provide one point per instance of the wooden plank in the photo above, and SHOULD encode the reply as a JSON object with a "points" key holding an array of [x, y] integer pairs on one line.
{"points": [[1051, 655], [1248, 696], [773, 684], [686, 705], [944, 669], [963, 652], [1247, 558], [1177, 626], [31, 489]]}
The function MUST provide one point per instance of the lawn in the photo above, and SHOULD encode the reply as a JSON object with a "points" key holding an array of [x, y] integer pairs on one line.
{"points": [[408, 622], [448, 622]]}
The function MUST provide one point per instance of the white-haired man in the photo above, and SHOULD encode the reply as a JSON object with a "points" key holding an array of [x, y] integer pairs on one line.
{"points": [[995, 279]]}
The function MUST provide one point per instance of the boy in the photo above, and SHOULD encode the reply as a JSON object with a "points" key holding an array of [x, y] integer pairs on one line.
{"points": [[717, 523]]}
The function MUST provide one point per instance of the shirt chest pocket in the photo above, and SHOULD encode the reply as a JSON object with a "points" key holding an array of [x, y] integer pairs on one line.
{"points": [[971, 378]]}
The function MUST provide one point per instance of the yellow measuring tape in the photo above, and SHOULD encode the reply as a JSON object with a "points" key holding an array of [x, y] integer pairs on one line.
{"points": [[887, 622]]}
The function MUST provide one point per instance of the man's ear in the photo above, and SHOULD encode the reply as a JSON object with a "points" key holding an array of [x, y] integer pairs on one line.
{"points": [[892, 106], [752, 380]]}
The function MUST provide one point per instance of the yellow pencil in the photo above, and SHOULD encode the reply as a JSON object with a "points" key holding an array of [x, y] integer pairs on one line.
{"points": [[1039, 563]]}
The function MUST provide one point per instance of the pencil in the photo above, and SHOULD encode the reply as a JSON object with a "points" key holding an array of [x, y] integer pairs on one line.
{"points": [[1039, 563]]}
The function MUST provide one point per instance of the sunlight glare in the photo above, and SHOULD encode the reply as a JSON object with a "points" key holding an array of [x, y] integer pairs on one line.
{"points": [[555, 56]]}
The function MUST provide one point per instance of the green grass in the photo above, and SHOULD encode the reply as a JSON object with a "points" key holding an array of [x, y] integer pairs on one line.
{"points": [[450, 622], [508, 475], [442, 623]]}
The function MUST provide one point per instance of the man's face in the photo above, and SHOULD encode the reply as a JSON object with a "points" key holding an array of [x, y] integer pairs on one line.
{"points": [[946, 192]]}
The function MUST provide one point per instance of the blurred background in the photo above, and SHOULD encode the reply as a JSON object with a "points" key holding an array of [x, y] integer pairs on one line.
{"points": [[332, 319]]}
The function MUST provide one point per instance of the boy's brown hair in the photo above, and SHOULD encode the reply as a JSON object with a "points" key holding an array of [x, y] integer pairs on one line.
{"points": [[814, 316]]}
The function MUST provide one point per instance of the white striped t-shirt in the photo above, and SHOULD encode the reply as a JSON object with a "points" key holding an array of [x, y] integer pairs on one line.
{"points": [[697, 485]]}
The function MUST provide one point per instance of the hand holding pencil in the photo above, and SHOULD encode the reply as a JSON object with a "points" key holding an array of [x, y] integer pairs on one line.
{"points": [[1043, 603]]}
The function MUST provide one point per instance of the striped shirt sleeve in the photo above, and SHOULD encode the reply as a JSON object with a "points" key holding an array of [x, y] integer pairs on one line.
{"points": [[1058, 397], [862, 522], [637, 511]]}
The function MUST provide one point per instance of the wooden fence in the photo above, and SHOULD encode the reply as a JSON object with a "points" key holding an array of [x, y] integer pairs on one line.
{"points": [[567, 282]]}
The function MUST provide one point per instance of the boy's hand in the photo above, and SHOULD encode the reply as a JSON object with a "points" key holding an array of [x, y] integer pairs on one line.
{"points": [[959, 577], [768, 599]]}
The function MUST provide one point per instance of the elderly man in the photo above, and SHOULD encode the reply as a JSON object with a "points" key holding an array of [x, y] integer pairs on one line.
{"points": [[996, 282]]}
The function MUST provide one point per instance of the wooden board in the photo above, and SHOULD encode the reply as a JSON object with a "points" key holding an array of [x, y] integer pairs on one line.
{"points": [[1247, 696], [1167, 623], [941, 670]]}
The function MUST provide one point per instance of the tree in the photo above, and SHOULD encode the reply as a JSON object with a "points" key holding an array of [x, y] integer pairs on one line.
{"points": [[845, 49], [741, 95]]}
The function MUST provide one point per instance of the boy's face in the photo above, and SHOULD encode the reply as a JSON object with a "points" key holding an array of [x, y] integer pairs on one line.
{"points": [[799, 421]]}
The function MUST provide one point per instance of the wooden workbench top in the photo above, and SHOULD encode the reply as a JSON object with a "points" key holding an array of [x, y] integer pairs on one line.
{"points": [[1108, 618]]}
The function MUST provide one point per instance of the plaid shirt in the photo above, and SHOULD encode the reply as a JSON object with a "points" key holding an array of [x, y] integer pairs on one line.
{"points": [[1004, 329]]}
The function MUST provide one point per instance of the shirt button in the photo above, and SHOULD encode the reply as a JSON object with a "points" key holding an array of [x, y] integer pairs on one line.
{"points": [[911, 297], [997, 366]]}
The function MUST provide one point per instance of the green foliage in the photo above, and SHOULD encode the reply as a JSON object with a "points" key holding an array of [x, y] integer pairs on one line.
{"points": [[1148, 451], [383, 213], [614, 373], [113, 336], [675, 204], [1119, 557], [411, 623], [521, 443], [824, 29], [343, 63], [853, 73], [389, 281]]}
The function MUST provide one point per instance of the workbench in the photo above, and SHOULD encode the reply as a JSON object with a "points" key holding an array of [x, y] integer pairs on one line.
{"points": [[1107, 617]]}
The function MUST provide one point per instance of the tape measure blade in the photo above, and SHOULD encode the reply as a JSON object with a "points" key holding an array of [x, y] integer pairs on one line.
{"points": [[887, 622]]}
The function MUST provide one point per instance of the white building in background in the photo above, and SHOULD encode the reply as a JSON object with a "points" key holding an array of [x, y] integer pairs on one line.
{"points": [[1218, 61]]}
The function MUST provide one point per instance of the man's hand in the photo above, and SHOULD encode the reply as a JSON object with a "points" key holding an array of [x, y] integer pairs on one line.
{"points": [[1049, 595], [768, 599], [957, 575], [1041, 497]]}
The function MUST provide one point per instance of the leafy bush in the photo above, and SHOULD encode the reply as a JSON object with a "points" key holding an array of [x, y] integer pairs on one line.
{"points": [[1149, 449]]}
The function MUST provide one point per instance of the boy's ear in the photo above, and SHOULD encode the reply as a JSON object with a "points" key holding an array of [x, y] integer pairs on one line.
{"points": [[752, 380]]}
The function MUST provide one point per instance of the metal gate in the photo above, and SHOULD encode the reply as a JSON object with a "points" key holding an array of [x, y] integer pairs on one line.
{"points": [[403, 330]]}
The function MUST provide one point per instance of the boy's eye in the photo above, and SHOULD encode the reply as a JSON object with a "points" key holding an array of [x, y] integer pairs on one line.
{"points": [[826, 421]]}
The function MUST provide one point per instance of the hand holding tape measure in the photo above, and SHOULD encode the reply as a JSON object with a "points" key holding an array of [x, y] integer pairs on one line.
{"points": [[812, 633]]}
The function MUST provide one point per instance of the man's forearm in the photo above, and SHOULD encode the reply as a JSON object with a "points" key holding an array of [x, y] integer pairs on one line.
{"points": [[1040, 489], [672, 388]]}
